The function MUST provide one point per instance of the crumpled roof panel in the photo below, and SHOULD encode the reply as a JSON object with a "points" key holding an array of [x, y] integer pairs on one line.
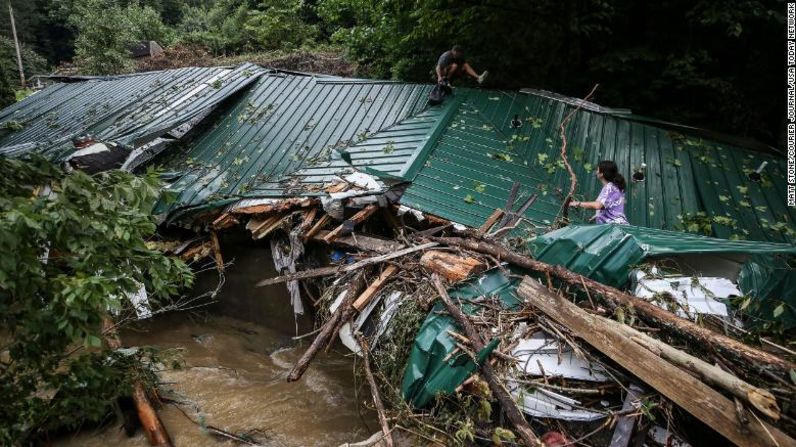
{"points": [[130, 109], [283, 137]]}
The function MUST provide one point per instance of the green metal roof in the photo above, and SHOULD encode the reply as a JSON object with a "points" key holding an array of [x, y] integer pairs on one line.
{"points": [[130, 109], [607, 253], [283, 136], [691, 183]]}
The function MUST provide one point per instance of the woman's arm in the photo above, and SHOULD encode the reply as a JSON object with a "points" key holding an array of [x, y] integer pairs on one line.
{"points": [[596, 205]]}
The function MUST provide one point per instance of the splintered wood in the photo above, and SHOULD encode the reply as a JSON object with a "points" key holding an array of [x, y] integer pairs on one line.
{"points": [[355, 220], [451, 266]]}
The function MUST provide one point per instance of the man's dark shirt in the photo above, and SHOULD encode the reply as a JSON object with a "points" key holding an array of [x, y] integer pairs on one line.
{"points": [[447, 58]]}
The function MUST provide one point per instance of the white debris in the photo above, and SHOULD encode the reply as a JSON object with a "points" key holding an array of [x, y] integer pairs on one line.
{"points": [[664, 437], [402, 209], [547, 404], [694, 295], [285, 253], [362, 180], [140, 302], [541, 355]]}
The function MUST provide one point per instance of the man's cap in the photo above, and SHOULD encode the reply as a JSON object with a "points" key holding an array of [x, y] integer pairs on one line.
{"points": [[458, 48]]}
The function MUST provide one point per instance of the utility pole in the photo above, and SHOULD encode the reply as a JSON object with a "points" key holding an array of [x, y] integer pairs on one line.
{"points": [[16, 44]]}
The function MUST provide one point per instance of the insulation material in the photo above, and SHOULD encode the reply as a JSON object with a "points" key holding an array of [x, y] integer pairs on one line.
{"points": [[541, 355], [348, 330], [694, 295]]}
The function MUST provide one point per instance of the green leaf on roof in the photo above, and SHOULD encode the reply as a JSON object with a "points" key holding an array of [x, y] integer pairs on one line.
{"points": [[779, 310], [743, 189], [724, 199], [677, 163], [578, 153], [587, 167], [549, 140], [503, 156], [542, 157], [761, 208], [479, 187], [469, 199], [494, 98], [389, 148], [745, 204]]}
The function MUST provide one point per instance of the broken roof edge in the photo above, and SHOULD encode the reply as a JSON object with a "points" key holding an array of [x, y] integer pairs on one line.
{"points": [[627, 114]]}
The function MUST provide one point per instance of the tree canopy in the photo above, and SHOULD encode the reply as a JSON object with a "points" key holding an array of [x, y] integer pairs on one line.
{"points": [[704, 63]]}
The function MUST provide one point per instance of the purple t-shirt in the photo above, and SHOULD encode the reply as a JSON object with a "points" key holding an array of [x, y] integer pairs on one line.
{"points": [[613, 201]]}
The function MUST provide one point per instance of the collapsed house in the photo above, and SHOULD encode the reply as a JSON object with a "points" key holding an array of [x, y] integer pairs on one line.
{"points": [[472, 191]]}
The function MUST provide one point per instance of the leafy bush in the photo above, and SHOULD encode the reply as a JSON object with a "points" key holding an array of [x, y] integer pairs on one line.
{"points": [[73, 247]]}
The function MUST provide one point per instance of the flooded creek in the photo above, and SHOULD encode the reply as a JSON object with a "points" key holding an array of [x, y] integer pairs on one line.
{"points": [[237, 354]]}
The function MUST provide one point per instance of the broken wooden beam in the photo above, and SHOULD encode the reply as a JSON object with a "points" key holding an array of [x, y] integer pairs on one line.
{"points": [[503, 396], [224, 221], [374, 391], [659, 317], [352, 222], [322, 222], [216, 247], [490, 221], [261, 227], [362, 242], [344, 310], [451, 266], [685, 390], [374, 287], [327, 271], [274, 206]]}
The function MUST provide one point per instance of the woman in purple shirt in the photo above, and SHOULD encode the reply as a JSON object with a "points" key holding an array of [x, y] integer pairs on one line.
{"points": [[610, 204]]}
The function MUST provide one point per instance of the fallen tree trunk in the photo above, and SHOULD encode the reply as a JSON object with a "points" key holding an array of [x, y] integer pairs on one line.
{"points": [[374, 391], [759, 398], [342, 313], [701, 336], [702, 401], [327, 271], [513, 412], [155, 431]]}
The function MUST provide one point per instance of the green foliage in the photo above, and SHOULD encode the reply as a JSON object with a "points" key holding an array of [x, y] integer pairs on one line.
{"points": [[146, 24], [73, 247], [104, 36]]}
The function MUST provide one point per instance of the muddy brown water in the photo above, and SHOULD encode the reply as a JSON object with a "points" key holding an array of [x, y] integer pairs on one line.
{"points": [[237, 354]]}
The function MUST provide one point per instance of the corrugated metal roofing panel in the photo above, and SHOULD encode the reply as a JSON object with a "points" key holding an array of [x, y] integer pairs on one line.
{"points": [[130, 110], [690, 183], [282, 138]]}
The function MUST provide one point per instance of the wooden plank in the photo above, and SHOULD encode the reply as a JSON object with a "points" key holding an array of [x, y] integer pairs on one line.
{"points": [[216, 245], [322, 222], [326, 271], [374, 287], [355, 220], [490, 221], [702, 401]]}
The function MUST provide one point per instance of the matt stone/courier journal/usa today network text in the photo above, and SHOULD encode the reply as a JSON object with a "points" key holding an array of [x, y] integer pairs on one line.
{"points": [[791, 73]]}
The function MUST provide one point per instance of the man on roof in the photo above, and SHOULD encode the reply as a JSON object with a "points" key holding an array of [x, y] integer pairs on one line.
{"points": [[452, 63]]}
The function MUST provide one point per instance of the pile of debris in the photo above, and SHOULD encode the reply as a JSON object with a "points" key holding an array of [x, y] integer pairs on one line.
{"points": [[449, 320]]}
